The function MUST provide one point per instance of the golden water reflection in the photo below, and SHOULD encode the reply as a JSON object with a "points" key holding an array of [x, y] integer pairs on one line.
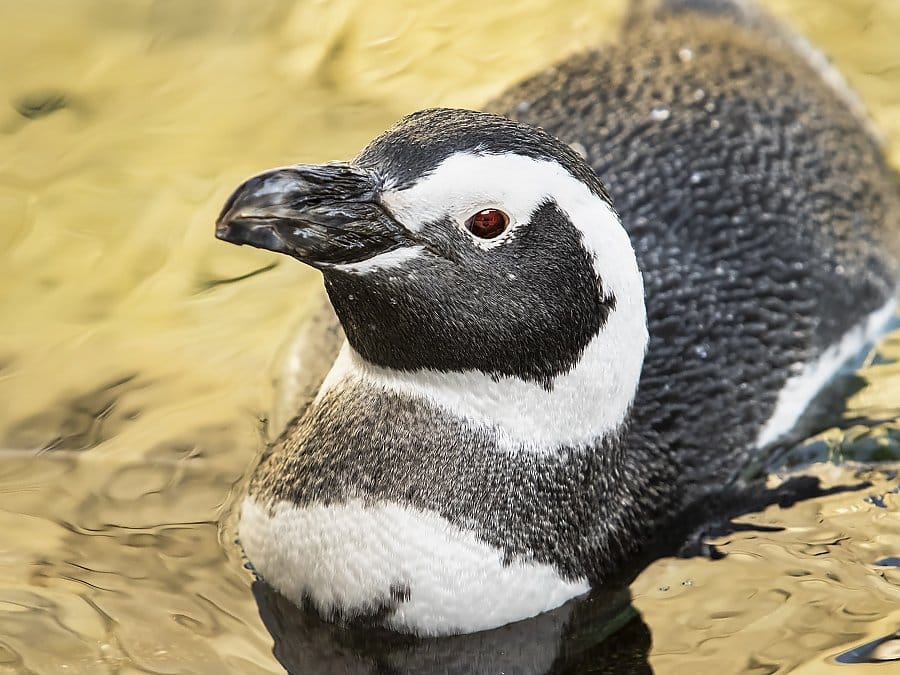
{"points": [[132, 369]]}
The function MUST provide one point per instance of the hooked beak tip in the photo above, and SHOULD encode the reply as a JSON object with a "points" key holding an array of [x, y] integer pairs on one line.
{"points": [[224, 227], [259, 233]]}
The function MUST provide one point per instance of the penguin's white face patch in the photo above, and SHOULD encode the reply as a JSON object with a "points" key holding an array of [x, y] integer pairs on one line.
{"points": [[467, 183], [351, 559]]}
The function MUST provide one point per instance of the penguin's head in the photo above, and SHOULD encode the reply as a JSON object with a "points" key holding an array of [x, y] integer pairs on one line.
{"points": [[456, 241]]}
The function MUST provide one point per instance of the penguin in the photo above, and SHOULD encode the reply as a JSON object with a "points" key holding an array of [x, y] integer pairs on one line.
{"points": [[565, 321]]}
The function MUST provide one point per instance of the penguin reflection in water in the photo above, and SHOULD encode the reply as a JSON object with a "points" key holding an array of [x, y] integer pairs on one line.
{"points": [[567, 326]]}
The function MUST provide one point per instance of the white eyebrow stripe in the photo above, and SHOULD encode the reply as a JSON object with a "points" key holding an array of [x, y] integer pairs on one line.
{"points": [[467, 182]]}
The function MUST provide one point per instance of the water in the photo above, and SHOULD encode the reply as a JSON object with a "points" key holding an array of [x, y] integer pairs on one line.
{"points": [[134, 347]]}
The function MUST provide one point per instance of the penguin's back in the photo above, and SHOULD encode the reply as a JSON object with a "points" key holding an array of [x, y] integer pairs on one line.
{"points": [[762, 211]]}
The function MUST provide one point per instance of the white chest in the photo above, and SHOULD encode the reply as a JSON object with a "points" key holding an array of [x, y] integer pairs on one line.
{"points": [[352, 559]]}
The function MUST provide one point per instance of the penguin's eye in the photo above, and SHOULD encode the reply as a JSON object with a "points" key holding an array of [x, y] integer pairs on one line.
{"points": [[488, 224]]}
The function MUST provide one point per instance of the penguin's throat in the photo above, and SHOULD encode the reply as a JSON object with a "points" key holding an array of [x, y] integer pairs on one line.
{"points": [[587, 404]]}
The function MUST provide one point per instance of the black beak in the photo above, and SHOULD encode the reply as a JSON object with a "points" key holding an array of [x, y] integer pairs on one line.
{"points": [[322, 215]]}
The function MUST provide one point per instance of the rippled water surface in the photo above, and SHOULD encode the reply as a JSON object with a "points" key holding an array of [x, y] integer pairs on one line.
{"points": [[134, 347]]}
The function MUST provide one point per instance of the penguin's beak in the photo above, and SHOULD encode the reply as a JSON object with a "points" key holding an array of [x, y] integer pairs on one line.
{"points": [[323, 215]]}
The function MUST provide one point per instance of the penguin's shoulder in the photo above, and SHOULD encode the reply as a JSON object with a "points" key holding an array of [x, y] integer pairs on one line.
{"points": [[762, 212]]}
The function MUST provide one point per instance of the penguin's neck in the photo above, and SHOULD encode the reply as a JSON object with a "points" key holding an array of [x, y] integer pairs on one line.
{"points": [[361, 443], [582, 407]]}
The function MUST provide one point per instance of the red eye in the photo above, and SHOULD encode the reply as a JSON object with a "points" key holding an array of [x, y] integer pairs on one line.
{"points": [[488, 224]]}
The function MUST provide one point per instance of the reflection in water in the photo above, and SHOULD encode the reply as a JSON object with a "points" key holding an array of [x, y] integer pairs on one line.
{"points": [[79, 421], [877, 651], [603, 633], [132, 343]]}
